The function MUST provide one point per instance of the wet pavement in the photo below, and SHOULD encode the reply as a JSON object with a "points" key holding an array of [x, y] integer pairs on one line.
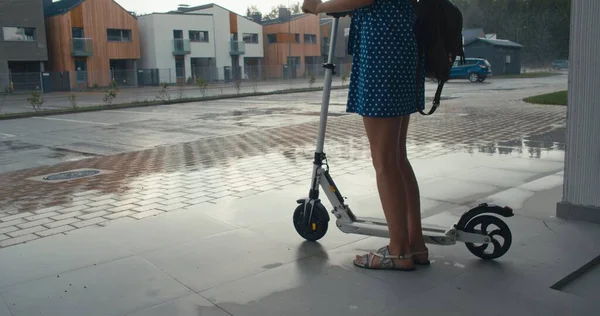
{"points": [[33, 142], [199, 157]]}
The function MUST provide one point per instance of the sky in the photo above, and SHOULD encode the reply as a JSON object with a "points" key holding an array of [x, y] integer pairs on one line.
{"points": [[238, 6]]}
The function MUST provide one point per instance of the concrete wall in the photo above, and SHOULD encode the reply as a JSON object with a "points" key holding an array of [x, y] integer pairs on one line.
{"points": [[23, 13], [581, 198]]}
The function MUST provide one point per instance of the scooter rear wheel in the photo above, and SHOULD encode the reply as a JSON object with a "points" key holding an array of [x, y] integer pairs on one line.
{"points": [[502, 230], [316, 228]]}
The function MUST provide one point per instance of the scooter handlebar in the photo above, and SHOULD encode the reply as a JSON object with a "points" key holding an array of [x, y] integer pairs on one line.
{"points": [[339, 14]]}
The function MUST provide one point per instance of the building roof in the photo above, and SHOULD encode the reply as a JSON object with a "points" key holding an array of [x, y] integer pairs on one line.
{"points": [[470, 34], [60, 7], [206, 6], [495, 42], [279, 20], [64, 6]]}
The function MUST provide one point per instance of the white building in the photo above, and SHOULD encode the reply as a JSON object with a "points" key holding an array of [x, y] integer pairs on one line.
{"points": [[179, 46], [238, 40], [205, 41]]}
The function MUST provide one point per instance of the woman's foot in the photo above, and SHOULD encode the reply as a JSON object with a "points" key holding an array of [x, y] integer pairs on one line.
{"points": [[383, 260], [421, 257]]}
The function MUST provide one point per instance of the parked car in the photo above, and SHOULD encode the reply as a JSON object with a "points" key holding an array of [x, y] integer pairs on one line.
{"points": [[474, 69], [560, 64]]}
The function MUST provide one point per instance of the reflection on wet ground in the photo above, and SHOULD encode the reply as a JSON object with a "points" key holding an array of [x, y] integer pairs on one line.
{"points": [[496, 131]]}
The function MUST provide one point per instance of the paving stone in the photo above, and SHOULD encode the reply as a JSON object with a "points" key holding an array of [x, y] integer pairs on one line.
{"points": [[3, 237], [16, 216], [17, 240], [61, 223], [146, 214], [67, 215], [121, 208], [119, 214], [102, 202], [8, 229], [27, 231], [172, 207], [88, 216], [54, 231], [90, 222], [24, 224], [42, 215], [75, 208]]}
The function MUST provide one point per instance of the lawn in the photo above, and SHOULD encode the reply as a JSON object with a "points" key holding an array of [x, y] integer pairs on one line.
{"points": [[555, 98]]}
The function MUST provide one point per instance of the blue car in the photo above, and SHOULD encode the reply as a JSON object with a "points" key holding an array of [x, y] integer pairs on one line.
{"points": [[474, 69]]}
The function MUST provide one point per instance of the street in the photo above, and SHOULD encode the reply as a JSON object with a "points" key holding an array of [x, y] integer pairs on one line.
{"points": [[39, 141]]}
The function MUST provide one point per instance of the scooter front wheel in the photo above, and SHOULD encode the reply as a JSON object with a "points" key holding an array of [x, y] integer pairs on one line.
{"points": [[311, 222], [500, 236]]}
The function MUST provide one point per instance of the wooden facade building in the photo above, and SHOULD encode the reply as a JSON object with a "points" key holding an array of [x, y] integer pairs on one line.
{"points": [[96, 41]]}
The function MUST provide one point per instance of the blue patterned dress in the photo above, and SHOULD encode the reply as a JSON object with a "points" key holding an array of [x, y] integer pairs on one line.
{"points": [[384, 61]]}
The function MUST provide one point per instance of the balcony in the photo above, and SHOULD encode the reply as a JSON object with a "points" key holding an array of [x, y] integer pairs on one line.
{"points": [[181, 47], [82, 47], [237, 48]]}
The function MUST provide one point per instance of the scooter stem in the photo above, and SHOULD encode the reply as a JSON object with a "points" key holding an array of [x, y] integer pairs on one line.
{"points": [[329, 68]]}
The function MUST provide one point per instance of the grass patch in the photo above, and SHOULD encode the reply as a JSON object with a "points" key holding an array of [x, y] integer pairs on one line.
{"points": [[9, 116], [555, 98], [530, 75]]}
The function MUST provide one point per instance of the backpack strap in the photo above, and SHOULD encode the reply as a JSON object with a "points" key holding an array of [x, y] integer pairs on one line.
{"points": [[436, 100]]}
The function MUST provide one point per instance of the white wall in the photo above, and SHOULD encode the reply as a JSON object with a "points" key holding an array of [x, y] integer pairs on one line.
{"points": [[248, 26], [148, 53], [582, 159], [221, 36], [156, 35]]}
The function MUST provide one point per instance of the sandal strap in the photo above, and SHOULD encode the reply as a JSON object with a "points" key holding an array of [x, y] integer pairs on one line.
{"points": [[386, 260]]}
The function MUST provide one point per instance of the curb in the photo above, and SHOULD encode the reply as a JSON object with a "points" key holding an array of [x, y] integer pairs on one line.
{"points": [[138, 104]]}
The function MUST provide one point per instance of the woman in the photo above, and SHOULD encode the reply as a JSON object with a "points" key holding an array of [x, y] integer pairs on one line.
{"points": [[383, 91]]}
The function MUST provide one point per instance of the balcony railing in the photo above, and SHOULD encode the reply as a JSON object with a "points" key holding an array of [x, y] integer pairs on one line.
{"points": [[237, 48], [82, 47], [181, 47]]}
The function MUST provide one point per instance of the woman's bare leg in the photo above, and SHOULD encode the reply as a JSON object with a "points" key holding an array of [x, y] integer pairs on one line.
{"points": [[412, 197], [383, 139]]}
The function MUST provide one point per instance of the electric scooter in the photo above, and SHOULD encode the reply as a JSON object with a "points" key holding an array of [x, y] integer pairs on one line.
{"points": [[311, 217]]}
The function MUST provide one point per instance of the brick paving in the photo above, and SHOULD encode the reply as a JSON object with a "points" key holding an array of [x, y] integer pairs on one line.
{"points": [[151, 182]]}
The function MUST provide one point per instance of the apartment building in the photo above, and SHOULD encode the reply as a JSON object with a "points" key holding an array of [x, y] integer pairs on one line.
{"points": [[292, 44], [23, 51], [97, 41], [237, 42], [178, 47]]}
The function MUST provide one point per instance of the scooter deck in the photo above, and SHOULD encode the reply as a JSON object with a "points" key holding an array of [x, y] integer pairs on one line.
{"points": [[429, 228]]}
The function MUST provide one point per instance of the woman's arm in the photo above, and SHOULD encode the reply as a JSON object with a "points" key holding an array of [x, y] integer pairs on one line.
{"points": [[332, 6]]}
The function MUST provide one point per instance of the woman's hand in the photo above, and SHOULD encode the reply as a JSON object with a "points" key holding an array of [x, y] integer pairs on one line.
{"points": [[311, 6]]}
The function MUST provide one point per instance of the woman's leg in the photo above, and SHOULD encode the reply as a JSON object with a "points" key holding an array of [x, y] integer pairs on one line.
{"points": [[383, 139], [412, 197]]}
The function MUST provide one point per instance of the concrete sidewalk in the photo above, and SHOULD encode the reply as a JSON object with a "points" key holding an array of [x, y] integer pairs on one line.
{"points": [[242, 256]]}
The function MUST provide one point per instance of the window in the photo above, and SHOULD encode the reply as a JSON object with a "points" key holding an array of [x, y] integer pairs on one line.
{"points": [[199, 36], [271, 38], [118, 35], [310, 38], [19, 33], [250, 38], [294, 60], [297, 37]]}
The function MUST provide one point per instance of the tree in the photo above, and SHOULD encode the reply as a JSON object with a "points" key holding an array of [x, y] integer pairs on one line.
{"points": [[542, 26], [252, 10], [274, 13]]}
